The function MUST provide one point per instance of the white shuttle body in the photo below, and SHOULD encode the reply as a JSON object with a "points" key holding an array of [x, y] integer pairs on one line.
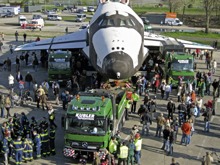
{"points": [[114, 42]]}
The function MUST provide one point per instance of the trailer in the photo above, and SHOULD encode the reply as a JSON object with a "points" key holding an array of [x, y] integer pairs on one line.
{"points": [[9, 11]]}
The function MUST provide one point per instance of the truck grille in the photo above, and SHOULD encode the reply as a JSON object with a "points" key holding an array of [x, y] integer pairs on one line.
{"points": [[86, 145], [59, 76]]}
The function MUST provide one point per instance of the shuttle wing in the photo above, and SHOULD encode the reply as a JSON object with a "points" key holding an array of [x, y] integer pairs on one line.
{"points": [[156, 40], [75, 40]]}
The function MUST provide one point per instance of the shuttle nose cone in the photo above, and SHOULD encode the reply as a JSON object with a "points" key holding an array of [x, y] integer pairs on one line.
{"points": [[118, 65]]}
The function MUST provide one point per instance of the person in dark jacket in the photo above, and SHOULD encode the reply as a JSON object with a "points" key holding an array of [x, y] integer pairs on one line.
{"points": [[5, 149], [17, 61], [35, 63], [215, 85], [25, 37], [171, 108], [182, 111], [142, 109], [146, 99], [26, 58], [65, 97], [207, 118], [28, 80], [171, 140], [146, 121], [166, 134]]}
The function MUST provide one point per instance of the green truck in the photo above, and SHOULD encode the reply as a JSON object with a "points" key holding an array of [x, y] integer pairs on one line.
{"points": [[59, 66], [91, 119], [179, 65]]}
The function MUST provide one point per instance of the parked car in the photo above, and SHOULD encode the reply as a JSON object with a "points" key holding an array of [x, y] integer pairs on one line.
{"points": [[50, 12], [79, 11], [80, 17], [83, 27], [91, 8], [36, 16], [84, 9], [54, 17]]}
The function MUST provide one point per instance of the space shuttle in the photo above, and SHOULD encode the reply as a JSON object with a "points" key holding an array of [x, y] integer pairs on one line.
{"points": [[114, 42]]}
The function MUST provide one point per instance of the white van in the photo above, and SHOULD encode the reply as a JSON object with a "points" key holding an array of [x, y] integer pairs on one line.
{"points": [[80, 17], [173, 22], [54, 17], [35, 24], [22, 20]]}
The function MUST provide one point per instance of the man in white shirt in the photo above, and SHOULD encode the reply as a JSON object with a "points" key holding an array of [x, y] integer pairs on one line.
{"points": [[11, 81], [199, 105], [167, 90], [214, 66]]}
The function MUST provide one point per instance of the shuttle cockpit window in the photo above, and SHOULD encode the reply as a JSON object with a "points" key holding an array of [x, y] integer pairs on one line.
{"points": [[107, 22], [117, 21], [110, 22]]}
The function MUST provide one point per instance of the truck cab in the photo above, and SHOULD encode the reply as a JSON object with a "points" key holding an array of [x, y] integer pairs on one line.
{"points": [[22, 20], [59, 66], [179, 65], [92, 118]]}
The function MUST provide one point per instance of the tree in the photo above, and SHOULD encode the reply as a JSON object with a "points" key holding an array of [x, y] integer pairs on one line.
{"points": [[185, 3], [174, 5], [217, 8], [208, 5]]}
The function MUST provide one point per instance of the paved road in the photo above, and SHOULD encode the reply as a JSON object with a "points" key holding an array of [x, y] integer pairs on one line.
{"points": [[151, 153]]}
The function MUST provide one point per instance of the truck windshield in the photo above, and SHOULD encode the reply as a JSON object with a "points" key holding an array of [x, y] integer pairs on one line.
{"points": [[93, 127], [22, 19], [59, 65], [181, 65]]}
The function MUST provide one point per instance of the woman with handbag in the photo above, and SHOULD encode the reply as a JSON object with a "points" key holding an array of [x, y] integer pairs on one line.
{"points": [[8, 105]]}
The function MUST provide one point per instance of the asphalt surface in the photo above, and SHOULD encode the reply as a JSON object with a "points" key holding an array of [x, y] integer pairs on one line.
{"points": [[151, 152]]}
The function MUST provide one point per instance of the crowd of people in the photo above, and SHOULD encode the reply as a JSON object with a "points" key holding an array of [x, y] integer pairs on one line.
{"points": [[125, 152], [25, 139], [32, 140]]}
